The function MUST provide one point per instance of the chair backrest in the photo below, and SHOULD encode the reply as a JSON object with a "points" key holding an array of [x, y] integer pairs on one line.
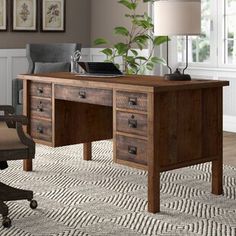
{"points": [[49, 53]]}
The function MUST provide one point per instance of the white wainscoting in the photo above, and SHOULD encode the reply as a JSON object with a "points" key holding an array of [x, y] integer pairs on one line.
{"points": [[229, 97], [12, 62]]}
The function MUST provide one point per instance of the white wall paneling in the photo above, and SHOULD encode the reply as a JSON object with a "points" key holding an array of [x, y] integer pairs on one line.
{"points": [[229, 93], [12, 62]]}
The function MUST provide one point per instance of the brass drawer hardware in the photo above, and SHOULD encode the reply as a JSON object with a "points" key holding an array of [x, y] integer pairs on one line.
{"points": [[132, 123], [132, 150], [40, 90], [132, 101], [40, 107], [40, 129], [82, 94]]}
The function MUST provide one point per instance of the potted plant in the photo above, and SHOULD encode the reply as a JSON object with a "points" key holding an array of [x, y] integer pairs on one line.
{"points": [[138, 36]]}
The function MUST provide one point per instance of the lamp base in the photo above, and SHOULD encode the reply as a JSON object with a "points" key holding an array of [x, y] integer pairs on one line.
{"points": [[177, 76]]}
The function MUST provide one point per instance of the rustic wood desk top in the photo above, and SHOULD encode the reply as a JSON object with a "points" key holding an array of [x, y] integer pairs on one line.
{"points": [[157, 82]]}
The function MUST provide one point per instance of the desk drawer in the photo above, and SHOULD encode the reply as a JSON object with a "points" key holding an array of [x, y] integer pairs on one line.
{"points": [[131, 149], [41, 90], [131, 123], [135, 101], [41, 107], [41, 130], [86, 95]]}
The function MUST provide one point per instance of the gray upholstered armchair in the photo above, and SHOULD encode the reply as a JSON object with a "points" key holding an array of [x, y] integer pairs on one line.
{"points": [[14, 145], [44, 58]]}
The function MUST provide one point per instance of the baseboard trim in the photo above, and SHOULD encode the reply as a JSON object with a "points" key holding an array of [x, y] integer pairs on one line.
{"points": [[229, 123]]}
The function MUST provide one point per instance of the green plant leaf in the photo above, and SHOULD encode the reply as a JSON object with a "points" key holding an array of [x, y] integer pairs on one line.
{"points": [[149, 0], [158, 60], [100, 41], [107, 51], [128, 4], [121, 31], [150, 66], [140, 46], [160, 39], [141, 39], [134, 52], [146, 24], [117, 65], [121, 48], [141, 58]]}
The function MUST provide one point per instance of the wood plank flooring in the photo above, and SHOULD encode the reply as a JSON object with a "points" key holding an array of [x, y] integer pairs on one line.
{"points": [[229, 149]]}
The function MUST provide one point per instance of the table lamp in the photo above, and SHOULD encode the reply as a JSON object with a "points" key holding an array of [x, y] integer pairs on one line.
{"points": [[177, 17]]}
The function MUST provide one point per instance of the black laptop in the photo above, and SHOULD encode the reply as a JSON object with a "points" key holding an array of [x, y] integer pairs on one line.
{"points": [[100, 69]]}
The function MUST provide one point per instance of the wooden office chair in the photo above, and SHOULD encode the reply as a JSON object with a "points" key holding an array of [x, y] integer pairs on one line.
{"points": [[14, 145]]}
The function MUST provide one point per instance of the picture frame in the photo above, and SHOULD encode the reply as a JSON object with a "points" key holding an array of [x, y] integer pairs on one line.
{"points": [[3, 15], [53, 15], [24, 15]]}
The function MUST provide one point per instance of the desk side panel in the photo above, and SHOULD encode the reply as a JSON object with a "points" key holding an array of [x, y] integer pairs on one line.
{"points": [[189, 127]]}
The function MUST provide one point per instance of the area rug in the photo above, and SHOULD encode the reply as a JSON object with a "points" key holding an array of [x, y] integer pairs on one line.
{"points": [[95, 198]]}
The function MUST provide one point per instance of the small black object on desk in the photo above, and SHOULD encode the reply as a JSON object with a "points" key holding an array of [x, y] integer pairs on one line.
{"points": [[177, 76]]}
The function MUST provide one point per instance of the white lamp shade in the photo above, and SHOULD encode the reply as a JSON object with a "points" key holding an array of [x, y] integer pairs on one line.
{"points": [[177, 17]]}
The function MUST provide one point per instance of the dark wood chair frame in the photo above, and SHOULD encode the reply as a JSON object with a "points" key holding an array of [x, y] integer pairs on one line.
{"points": [[8, 193]]}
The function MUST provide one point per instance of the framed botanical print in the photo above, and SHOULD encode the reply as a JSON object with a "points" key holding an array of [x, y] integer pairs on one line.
{"points": [[3, 15], [24, 15], [53, 15]]}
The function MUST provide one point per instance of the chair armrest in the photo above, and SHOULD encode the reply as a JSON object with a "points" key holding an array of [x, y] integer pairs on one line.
{"points": [[7, 109], [15, 119], [26, 139]]}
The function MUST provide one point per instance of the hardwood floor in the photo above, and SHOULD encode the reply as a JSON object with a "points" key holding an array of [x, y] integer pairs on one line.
{"points": [[229, 149]]}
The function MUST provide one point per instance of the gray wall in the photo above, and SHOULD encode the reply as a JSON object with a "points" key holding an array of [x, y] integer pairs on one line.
{"points": [[105, 15], [77, 29], [85, 21]]}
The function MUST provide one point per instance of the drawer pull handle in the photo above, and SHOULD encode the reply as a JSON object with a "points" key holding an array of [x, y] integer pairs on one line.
{"points": [[40, 107], [40, 90], [132, 101], [82, 94], [132, 150], [132, 124], [40, 130]]}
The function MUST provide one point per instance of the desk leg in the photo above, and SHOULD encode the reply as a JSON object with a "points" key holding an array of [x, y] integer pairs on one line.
{"points": [[153, 190], [88, 151], [217, 176], [27, 165]]}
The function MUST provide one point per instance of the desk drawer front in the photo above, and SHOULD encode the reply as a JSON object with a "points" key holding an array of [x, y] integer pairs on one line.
{"points": [[41, 130], [41, 90], [128, 100], [131, 123], [85, 95], [41, 107], [131, 149]]}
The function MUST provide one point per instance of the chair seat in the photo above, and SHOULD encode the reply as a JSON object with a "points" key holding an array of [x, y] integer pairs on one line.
{"points": [[9, 140], [3, 125]]}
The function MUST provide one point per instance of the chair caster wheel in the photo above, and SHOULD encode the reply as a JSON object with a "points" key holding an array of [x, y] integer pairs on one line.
{"points": [[6, 222], [33, 204]]}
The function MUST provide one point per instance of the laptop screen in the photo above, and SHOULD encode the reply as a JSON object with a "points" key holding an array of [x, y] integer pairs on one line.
{"points": [[100, 68]]}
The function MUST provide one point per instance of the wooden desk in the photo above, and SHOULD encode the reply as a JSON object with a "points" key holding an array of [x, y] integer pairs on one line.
{"points": [[156, 125]]}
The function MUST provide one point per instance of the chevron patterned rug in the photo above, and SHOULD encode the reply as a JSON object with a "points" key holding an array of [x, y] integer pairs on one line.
{"points": [[95, 198]]}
